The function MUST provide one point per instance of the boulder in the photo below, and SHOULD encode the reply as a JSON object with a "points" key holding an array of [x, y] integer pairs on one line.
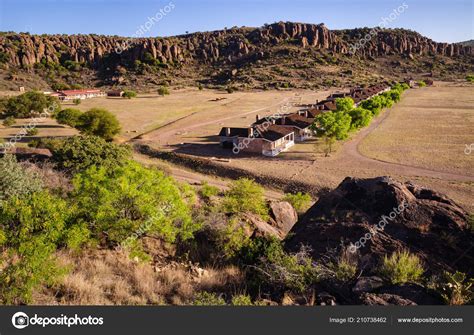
{"points": [[367, 284], [372, 299], [379, 216], [283, 216], [254, 226]]}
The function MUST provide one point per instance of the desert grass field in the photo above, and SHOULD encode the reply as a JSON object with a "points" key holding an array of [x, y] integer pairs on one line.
{"points": [[430, 128], [148, 112]]}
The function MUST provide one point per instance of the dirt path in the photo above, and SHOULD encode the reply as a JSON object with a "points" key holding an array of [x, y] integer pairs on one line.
{"points": [[350, 153], [164, 133]]}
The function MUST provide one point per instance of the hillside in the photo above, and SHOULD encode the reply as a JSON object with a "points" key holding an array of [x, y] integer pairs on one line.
{"points": [[283, 54]]}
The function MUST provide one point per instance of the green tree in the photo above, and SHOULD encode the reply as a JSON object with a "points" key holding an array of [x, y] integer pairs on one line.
{"points": [[344, 104], [77, 101], [78, 153], [125, 202], [360, 117], [31, 228], [245, 195], [374, 104], [30, 103], [332, 125], [69, 116], [99, 122]]}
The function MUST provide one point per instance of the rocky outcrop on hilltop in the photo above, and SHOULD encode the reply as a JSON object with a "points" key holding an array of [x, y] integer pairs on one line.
{"points": [[379, 216], [24, 50]]}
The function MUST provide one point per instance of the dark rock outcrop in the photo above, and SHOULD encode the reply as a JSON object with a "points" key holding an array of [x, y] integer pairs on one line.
{"points": [[378, 216]]}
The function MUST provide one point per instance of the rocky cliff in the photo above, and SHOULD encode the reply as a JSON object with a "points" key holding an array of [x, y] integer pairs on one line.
{"points": [[283, 54], [24, 50]]}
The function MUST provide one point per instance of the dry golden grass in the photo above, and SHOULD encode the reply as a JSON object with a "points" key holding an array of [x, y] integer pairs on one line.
{"points": [[107, 277], [429, 128], [46, 128]]}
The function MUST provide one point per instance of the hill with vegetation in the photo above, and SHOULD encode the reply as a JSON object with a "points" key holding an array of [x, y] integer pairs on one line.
{"points": [[279, 55]]}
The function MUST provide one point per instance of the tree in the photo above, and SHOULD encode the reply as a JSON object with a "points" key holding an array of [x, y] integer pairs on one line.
{"points": [[129, 94], [126, 202], [245, 195], [344, 104], [163, 90], [99, 122], [360, 118], [77, 101], [30, 103], [31, 228], [332, 124], [69, 116], [78, 153], [374, 104]]}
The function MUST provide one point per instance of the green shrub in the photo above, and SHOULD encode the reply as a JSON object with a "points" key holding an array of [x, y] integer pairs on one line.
{"points": [[9, 121], [208, 299], [470, 78], [32, 131], [344, 268], [245, 195], [129, 94], [421, 83], [200, 87], [76, 101], [78, 153], [271, 267], [207, 191], [99, 122], [15, 181], [230, 89], [69, 116], [33, 227], [300, 201], [402, 267], [163, 90], [457, 288], [128, 199], [242, 300]]}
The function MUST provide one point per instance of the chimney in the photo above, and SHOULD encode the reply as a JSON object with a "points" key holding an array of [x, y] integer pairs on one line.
{"points": [[227, 131], [257, 117]]}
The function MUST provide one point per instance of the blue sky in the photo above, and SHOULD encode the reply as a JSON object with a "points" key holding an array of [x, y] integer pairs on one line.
{"points": [[443, 21]]}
